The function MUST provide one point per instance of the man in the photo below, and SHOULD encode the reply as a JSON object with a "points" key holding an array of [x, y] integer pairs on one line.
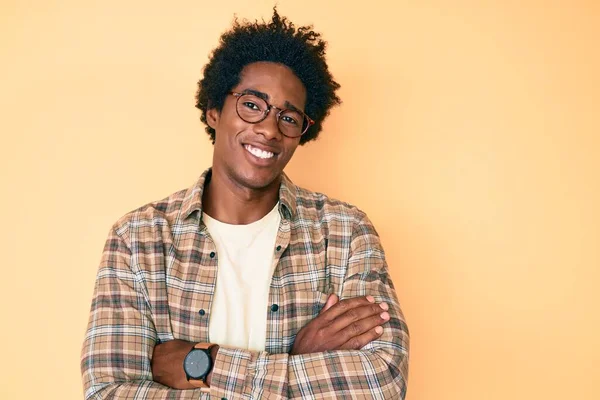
{"points": [[244, 285]]}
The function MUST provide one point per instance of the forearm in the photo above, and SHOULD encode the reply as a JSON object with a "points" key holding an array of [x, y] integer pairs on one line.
{"points": [[121, 337], [165, 379], [129, 376], [365, 374], [139, 390], [357, 374]]}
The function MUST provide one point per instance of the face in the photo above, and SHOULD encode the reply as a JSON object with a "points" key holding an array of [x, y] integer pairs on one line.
{"points": [[254, 155]]}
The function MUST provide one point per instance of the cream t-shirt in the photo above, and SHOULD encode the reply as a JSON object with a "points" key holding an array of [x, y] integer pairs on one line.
{"points": [[245, 267]]}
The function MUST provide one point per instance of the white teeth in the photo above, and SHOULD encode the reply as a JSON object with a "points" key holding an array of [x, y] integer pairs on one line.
{"points": [[258, 152]]}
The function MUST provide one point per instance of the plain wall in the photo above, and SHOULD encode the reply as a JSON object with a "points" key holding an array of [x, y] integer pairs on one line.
{"points": [[468, 133]]}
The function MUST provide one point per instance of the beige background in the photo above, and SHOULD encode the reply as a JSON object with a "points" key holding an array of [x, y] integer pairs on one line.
{"points": [[469, 134]]}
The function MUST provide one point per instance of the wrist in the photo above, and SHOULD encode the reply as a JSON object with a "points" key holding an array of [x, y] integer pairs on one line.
{"points": [[167, 361]]}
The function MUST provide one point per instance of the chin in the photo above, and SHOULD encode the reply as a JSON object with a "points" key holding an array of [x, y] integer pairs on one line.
{"points": [[258, 181]]}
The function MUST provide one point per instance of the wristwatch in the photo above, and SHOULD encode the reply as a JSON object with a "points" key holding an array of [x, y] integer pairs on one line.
{"points": [[198, 364]]}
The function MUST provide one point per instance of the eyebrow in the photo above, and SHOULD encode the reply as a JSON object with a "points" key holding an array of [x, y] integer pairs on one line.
{"points": [[265, 97]]}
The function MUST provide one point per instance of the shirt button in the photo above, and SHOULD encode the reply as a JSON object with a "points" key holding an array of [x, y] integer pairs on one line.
{"points": [[202, 312], [278, 248], [274, 307], [212, 254]]}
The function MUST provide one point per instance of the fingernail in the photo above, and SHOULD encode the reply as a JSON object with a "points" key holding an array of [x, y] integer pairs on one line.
{"points": [[370, 299], [379, 330], [384, 315], [384, 306]]}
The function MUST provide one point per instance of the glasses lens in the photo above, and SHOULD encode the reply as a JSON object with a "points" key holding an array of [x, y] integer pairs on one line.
{"points": [[251, 108], [292, 123]]}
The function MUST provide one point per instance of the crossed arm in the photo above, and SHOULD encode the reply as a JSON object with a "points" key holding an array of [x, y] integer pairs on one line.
{"points": [[346, 325], [341, 353]]}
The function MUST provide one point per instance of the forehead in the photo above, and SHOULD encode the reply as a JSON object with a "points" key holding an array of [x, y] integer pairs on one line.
{"points": [[276, 80]]}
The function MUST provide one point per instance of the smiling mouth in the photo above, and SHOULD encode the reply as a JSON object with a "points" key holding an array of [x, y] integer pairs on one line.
{"points": [[263, 154]]}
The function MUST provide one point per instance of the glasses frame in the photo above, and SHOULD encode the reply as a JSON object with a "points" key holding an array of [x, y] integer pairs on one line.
{"points": [[239, 95]]}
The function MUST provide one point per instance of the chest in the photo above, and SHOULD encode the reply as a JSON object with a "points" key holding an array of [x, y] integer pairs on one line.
{"points": [[304, 264]]}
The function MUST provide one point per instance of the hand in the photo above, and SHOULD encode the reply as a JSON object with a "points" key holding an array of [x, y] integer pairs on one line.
{"points": [[342, 325], [167, 363]]}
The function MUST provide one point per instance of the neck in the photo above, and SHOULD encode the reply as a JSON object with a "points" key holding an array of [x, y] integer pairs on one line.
{"points": [[229, 202]]}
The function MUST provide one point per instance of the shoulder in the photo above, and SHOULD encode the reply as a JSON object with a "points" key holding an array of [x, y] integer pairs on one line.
{"points": [[157, 213], [315, 206], [345, 226]]}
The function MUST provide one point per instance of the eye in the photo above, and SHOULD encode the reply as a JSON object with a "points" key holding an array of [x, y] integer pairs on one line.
{"points": [[288, 120], [251, 105]]}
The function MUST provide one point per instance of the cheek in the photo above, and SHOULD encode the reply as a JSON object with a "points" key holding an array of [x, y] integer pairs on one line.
{"points": [[291, 149], [228, 129]]}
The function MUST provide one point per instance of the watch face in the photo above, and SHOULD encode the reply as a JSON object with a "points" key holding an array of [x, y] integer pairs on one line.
{"points": [[196, 364]]}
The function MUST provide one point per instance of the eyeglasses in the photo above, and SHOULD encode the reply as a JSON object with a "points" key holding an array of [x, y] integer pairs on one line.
{"points": [[253, 109]]}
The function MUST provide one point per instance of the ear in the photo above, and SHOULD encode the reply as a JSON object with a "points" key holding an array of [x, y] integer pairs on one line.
{"points": [[212, 117]]}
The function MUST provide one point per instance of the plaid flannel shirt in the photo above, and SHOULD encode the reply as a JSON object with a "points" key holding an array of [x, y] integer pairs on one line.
{"points": [[156, 282]]}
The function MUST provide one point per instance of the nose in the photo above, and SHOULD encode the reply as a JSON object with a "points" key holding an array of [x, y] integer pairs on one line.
{"points": [[269, 127]]}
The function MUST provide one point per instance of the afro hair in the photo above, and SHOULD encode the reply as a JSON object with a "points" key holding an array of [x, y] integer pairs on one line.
{"points": [[300, 49]]}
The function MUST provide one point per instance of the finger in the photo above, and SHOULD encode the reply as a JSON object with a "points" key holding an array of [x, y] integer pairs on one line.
{"points": [[360, 341], [331, 301], [344, 305], [358, 328], [356, 315]]}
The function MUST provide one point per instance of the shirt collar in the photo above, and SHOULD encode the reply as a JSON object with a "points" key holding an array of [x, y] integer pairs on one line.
{"points": [[192, 200]]}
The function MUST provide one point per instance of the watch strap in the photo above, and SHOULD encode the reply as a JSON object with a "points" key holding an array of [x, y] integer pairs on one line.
{"points": [[203, 346]]}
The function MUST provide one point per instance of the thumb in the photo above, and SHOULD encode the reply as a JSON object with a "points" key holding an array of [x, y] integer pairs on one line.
{"points": [[331, 301]]}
